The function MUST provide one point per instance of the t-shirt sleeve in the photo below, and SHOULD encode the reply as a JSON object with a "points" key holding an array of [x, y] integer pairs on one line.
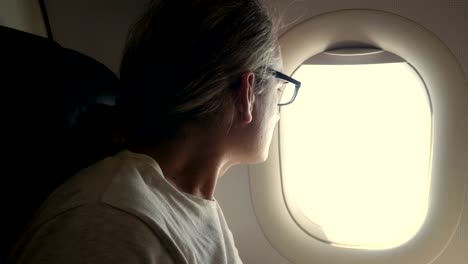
{"points": [[94, 234]]}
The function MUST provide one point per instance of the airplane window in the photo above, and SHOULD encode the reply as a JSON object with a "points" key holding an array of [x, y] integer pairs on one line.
{"points": [[355, 151]]}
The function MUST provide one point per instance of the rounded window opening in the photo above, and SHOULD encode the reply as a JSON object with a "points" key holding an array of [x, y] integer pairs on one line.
{"points": [[355, 149]]}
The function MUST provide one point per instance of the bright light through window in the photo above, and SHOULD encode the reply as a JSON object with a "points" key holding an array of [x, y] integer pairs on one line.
{"points": [[356, 151]]}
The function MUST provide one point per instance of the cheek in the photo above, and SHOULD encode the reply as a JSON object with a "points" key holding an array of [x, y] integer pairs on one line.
{"points": [[274, 108], [271, 117], [268, 112]]}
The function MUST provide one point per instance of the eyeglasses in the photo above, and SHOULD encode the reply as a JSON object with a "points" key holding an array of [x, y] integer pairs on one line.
{"points": [[289, 88]]}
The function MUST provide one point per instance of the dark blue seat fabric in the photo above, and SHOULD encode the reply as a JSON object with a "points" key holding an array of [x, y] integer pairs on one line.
{"points": [[48, 95]]}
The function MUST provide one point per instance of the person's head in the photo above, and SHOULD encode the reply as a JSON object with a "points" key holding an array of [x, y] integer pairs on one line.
{"points": [[203, 61]]}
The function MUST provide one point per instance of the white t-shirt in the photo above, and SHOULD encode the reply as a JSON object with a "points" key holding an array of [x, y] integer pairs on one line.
{"points": [[122, 210]]}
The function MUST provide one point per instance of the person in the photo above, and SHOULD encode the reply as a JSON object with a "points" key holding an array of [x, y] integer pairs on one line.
{"points": [[201, 90]]}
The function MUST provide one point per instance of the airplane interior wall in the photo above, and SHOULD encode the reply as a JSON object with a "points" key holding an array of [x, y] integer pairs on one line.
{"points": [[24, 15], [98, 28]]}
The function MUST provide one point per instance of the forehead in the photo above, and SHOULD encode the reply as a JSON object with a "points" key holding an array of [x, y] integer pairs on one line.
{"points": [[278, 61], [277, 65]]}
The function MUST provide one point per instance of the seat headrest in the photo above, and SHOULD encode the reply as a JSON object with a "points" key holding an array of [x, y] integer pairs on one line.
{"points": [[40, 72]]}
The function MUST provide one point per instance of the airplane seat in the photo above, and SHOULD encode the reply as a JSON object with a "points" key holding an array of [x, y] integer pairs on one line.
{"points": [[49, 131]]}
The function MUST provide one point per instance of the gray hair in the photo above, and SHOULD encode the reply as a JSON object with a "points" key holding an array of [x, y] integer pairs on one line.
{"points": [[184, 58]]}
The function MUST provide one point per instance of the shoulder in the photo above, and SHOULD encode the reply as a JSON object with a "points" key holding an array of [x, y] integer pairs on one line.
{"points": [[110, 206], [112, 176], [93, 234]]}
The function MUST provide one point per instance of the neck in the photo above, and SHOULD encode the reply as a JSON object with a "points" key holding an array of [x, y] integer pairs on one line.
{"points": [[192, 163]]}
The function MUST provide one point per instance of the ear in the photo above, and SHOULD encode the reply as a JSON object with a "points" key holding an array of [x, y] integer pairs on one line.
{"points": [[246, 97]]}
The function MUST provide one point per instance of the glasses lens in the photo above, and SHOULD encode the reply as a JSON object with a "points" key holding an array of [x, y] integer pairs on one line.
{"points": [[286, 91]]}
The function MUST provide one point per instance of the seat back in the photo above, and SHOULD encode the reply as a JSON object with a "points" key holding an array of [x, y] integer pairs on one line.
{"points": [[45, 90]]}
